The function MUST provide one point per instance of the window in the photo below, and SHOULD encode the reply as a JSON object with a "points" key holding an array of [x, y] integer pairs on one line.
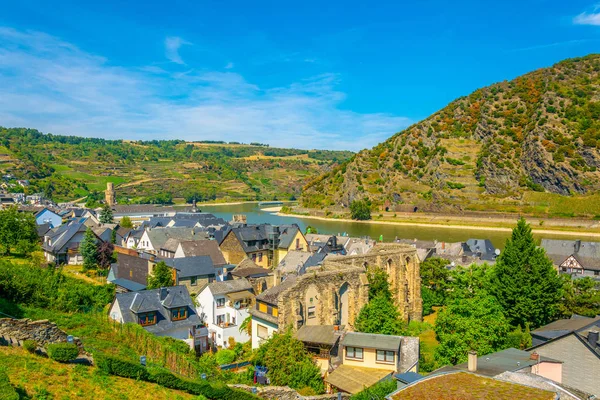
{"points": [[385, 356], [194, 280], [220, 302], [254, 257], [262, 307], [275, 312], [297, 244], [178, 314], [312, 312], [262, 331], [220, 319], [259, 257], [596, 273], [354, 352], [146, 319]]}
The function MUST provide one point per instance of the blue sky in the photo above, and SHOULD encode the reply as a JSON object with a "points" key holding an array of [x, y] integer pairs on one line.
{"points": [[311, 74]]}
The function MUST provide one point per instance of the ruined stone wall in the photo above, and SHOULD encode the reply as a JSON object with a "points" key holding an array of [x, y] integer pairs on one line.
{"points": [[15, 331]]}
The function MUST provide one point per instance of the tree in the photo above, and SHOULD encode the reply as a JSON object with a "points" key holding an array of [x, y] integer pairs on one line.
{"points": [[18, 231], [288, 363], [475, 323], [580, 297], [434, 283], [89, 250], [126, 222], [106, 215], [311, 229], [525, 282], [162, 276], [360, 210], [105, 254], [380, 314]]}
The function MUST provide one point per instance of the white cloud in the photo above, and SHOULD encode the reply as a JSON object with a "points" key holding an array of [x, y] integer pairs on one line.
{"points": [[585, 18], [229, 65], [55, 87], [172, 45]]}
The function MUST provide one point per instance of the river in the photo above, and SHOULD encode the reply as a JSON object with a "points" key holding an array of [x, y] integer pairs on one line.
{"points": [[256, 216]]}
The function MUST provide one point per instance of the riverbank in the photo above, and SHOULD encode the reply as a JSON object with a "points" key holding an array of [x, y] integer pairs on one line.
{"points": [[491, 224]]}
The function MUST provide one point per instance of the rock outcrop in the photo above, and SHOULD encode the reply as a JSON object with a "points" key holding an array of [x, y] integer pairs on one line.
{"points": [[15, 331]]}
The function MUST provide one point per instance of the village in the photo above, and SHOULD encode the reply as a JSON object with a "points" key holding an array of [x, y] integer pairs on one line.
{"points": [[215, 284]]}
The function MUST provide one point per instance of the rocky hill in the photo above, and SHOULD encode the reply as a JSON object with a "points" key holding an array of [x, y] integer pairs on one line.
{"points": [[539, 132]]}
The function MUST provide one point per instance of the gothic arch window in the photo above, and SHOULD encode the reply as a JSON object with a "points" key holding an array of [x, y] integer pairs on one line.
{"points": [[343, 303], [389, 266]]}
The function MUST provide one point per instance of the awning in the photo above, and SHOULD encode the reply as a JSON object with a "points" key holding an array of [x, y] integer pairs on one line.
{"points": [[354, 379], [244, 294]]}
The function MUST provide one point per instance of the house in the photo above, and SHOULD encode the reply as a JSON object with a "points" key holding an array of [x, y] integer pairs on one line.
{"points": [[296, 262], [195, 273], [47, 216], [224, 306], [264, 244], [133, 265], [574, 342], [193, 248], [368, 358], [122, 285], [358, 246], [575, 257], [469, 386], [260, 278], [480, 248], [152, 240], [61, 244], [321, 341], [326, 244], [162, 312]]}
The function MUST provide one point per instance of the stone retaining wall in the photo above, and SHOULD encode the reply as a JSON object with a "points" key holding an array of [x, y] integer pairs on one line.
{"points": [[13, 332]]}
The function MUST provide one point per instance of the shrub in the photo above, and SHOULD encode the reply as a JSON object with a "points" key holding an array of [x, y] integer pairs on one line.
{"points": [[120, 367], [62, 352], [225, 356], [378, 391], [30, 345], [7, 392], [455, 185], [360, 210]]}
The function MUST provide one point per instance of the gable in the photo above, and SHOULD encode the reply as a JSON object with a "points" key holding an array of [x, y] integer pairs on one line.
{"points": [[571, 262]]}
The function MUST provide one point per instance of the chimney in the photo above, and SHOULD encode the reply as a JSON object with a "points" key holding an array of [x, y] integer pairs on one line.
{"points": [[577, 246], [534, 356], [472, 363], [276, 277], [593, 338]]}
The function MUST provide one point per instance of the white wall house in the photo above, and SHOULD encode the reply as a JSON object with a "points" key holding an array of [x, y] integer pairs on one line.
{"points": [[223, 306]]}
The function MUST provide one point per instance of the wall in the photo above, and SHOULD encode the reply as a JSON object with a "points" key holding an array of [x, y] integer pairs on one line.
{"points": [[232, 249], [281, 253], [201, 283], [271, 328], [548, 370], [370, 361], [581, 367], [43, 332]]}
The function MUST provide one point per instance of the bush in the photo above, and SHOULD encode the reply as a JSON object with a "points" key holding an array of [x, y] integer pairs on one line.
{"points": [[378, 391], [7, 392], [62, 352], [30, 345], [120, 367], [360, 210], [225, 356]]}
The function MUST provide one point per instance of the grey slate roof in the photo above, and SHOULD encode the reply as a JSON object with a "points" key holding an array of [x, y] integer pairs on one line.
{"points": [[42, 229], [562, 327], [159, 236], [271, 295], [586, 253], [225, 287], [319, 334], [209, 248], [248, 268], [256, 237], [372, 341], [158, 300], [129, 285], [482, 248], [294, 262], [60, 236], [191, 266]]}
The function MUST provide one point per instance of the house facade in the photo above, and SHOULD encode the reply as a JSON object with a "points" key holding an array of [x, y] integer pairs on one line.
{"points": [[223, 306], [61, 244], [574, 257], [163, 312]]}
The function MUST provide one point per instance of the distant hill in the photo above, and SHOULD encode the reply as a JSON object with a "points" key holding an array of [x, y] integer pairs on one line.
{"points": [[69, 168], [497, 148]]}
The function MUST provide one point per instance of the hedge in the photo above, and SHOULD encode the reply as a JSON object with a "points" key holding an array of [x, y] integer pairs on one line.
{"points": [[7, 392], [62, 352], [117, 366]]}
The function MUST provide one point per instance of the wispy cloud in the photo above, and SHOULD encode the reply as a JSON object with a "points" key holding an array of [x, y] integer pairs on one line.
{"points": [[229, 65], [56, 87], [172, 46], [550, 45], [589, 18]]}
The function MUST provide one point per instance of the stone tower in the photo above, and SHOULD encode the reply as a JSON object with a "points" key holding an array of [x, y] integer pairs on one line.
{"points": [[110, 195]]}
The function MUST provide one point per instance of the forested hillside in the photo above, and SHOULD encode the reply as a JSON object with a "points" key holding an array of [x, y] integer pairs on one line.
{"points": [[498, 148], [68, 168]]}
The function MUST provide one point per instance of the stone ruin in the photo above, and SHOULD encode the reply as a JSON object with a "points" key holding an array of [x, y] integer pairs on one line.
{"points": [[13, 332]]}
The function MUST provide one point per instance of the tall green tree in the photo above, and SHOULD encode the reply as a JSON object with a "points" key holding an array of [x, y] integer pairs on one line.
{"points": [[360, 210], [89, 250], [288, 363], [380, 314], [18, 231], [524, 281], [162, 276], [581, 297], [475, 323], [106, 215], [126, 222]]}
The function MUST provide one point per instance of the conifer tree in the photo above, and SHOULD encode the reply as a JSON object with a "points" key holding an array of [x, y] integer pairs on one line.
{"points": [[106, 215], [89, 250], [524, 280]]}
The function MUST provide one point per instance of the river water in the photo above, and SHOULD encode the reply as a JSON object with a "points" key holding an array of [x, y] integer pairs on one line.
{"points": [[256, 216]]}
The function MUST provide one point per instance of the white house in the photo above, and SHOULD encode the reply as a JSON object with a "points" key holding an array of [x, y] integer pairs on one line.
{"points": [[223, 306]]}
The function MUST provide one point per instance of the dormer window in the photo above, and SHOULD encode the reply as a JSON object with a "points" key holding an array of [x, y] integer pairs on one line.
{"points": [[177, 314], [146, 319]]}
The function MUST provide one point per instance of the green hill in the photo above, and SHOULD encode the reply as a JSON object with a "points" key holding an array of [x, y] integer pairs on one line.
{"points": [[498, 148], [68, 168]]}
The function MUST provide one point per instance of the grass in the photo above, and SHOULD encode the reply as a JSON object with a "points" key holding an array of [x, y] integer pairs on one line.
{"points": [[428, 340], [76, 271], [467, 386], [42, 378]]}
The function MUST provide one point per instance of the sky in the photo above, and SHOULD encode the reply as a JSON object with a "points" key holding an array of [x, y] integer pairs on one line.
{"points": [[311, 74]]}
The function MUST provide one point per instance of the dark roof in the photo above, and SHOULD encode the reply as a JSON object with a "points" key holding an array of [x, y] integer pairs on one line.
{"points": [[271, 295], [319, 334], [60, 236], [204, 219], [225, 287], [372, 341], [287, 233], [159, 300], [209, 248], [481, 248], [256, 237], [586, 253], [562, 326], [159, 236], [129, 285], [250, 272], [42, 229], [123, 231], [408, 377], [496, 363], [191, 266]]}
